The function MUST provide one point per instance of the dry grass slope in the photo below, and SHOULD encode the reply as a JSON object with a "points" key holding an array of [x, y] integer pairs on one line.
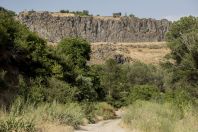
{"points": [[147, 52]]}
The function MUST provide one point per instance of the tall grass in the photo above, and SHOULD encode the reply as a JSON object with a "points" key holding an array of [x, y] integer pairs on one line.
{"points": [[69, 114], [29, 117], [98, 111], [13, 124], [146, 116]]}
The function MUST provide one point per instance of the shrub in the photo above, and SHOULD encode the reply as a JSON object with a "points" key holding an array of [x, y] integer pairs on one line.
{"points": [[64, 11], [98, 111], [181, 98], [139, 73], [77, 13], [105, 110], [34, 91], [89, 110], [143, 92], [60, 91]]}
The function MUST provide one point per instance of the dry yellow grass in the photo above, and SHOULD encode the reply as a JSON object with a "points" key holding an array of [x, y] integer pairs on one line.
{"points": [[147, 52]]}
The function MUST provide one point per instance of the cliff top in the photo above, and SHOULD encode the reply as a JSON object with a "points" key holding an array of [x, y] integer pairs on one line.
{"points": [[59, 14]]}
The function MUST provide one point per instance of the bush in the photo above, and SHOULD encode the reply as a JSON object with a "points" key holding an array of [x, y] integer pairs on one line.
{"points": [[143, 92], [78, 13], [89, 110], [181, 98], [34, 91], [105, 110], [60, 91], [64, 11], [98, 111], [139, 73]]}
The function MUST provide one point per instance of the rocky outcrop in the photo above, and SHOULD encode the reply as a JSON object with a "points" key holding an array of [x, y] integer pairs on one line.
{"points": [[55, 26]]}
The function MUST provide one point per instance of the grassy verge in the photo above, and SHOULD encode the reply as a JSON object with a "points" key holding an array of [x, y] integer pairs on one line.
{"points": [[29, 117], [146, 116], [13, 124], [51, 116]]}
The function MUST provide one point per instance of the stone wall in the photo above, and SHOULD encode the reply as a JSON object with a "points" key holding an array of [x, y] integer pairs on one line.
{"points": [[54, 27]]}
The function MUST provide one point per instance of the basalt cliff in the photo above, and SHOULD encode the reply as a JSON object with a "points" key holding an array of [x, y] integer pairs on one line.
{"points": [[55, 26]]}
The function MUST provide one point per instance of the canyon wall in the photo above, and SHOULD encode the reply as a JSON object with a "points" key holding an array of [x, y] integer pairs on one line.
{"points": [[55, 26]]}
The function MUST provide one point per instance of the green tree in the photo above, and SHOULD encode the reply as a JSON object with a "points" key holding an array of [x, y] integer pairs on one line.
{"points": [[23, 53], [110, 75], [76, 51], [178, 35], [183, 42], [183, 68], [140, 73]]}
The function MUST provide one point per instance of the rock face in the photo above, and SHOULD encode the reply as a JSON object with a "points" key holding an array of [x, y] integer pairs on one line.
{"points": [[54, 27]]}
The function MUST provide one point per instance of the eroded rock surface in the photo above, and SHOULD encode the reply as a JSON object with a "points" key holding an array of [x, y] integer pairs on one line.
{"points": [[55, 26]]}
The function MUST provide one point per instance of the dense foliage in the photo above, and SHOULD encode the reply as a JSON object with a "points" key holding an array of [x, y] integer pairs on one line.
{"points": [[21, 52], [183, 41]]}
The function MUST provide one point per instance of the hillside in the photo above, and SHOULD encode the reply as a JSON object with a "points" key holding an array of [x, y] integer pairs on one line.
{"points": [[147, 52]]}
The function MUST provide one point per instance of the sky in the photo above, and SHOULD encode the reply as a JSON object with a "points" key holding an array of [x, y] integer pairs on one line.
{"points": [[158, 9]]}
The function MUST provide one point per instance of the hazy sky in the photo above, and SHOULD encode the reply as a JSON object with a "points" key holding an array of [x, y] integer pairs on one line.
{"points": [[170, 9]]}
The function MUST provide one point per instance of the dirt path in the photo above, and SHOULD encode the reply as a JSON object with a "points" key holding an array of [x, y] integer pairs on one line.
{"points": [[104, 126]]}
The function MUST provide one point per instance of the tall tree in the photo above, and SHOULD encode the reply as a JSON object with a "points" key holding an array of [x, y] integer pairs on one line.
{"points": [[183, 42], [76, 51]]}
